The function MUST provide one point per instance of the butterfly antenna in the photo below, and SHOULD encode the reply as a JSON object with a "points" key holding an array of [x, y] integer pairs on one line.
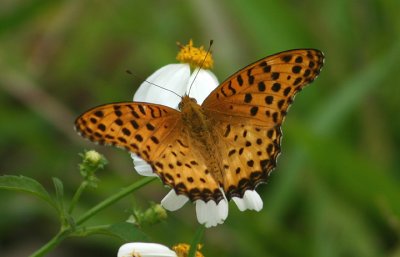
{"points": [[151, 83], [201, 66]]}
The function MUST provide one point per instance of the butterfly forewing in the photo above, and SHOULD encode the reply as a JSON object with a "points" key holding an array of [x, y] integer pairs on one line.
{"points": [[248, 109], [264, 90], [140, 128]]}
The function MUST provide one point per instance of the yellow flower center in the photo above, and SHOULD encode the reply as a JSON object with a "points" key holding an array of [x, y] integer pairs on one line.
{"points": [[196, 57], [182, 250]]}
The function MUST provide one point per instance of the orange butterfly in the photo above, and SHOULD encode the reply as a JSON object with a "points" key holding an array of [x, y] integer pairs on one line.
{"points": [[230, 142]]}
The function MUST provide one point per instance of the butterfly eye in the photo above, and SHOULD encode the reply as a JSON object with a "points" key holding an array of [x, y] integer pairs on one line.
{"points": [[193, 100]]}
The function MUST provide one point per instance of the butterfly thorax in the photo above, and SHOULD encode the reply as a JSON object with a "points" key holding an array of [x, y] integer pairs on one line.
{"points": [[199, 127], [193, 116]]}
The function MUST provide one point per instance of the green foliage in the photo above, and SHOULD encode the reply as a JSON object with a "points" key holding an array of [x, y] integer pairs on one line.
{"points": [[70, 226], [27, 185], [152, 215]]}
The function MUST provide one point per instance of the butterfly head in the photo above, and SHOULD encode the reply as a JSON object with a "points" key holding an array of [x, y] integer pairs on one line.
{"points": [[186, 102]]}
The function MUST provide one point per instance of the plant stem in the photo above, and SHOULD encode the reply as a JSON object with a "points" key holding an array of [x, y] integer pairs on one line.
{"points": [[57, 239], [196, 241], [77, 195], [50, 245], [112, 199], [86, 231]]}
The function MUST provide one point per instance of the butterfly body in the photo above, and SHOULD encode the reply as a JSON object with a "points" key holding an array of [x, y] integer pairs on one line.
{"points": [[226, 145], [204, 140]]}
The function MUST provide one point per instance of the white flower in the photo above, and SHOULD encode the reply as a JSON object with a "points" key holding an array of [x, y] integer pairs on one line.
{"points": [[179, 79], [145, 250], [156, 250], [251, 200]]}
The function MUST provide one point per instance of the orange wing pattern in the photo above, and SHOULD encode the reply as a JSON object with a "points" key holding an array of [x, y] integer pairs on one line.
{"points": [[136, 127], [248, 109], [246, 112], [155, 133]]}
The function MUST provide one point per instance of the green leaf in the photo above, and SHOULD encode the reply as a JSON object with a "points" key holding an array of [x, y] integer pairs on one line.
{"points": [[58, 185], [25, 184], [65, 219]]}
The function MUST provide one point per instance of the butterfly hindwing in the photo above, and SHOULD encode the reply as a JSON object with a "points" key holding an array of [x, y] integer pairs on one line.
{"points": [[181, 166], [249, 152]]}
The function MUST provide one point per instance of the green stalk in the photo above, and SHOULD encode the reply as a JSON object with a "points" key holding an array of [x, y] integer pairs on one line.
{"points": [[77, 195], [57, 239], [114, 198], [196, 240], [50, 245]]}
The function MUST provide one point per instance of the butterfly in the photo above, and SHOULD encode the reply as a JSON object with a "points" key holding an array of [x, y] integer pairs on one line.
{"points": [[229, 143]]}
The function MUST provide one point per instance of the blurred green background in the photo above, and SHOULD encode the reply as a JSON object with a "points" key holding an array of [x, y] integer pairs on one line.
{"points": [[336, 191]]}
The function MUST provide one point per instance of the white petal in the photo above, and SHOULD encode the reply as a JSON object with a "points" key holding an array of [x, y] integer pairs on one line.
{"points": [[211, 217], [203, 85], [142, 167], [201, 211], [240, 203], [210, 214], [222, 207], [173, 202], [174, 77], [251, 200], [145, 250], [222, 210]]}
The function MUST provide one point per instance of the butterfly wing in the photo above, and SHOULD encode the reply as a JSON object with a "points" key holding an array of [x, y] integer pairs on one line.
{"points": [[156, 134], [182, 166], [248, 109], [136, 127]]}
